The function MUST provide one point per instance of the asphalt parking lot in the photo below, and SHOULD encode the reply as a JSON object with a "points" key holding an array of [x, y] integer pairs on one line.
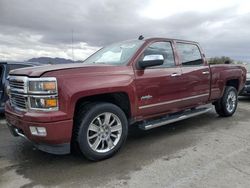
{"points": [[205, 151]]}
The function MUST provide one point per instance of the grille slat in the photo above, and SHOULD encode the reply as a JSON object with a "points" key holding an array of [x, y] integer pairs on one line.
{"points": [[19, 102], [17, 96], [16, 86], [16, 82], [18, 105]]}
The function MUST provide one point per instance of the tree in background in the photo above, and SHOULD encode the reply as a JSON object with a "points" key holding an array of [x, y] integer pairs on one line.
{"points": [[220, 60], [223, 60]]}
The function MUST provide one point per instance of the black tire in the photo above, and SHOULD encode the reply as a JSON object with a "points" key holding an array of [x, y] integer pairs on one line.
{"points": [[85, 116], [221, 105]]}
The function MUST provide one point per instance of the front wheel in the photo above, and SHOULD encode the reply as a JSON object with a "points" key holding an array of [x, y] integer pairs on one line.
{"points": [[102, 130], [227, 105]]}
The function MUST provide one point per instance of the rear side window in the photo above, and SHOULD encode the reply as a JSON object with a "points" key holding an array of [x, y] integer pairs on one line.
{"points": [[161, 48], [190, 54]]}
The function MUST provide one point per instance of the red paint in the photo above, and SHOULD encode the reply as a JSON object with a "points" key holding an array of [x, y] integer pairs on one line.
{"points": [[76, 81]]}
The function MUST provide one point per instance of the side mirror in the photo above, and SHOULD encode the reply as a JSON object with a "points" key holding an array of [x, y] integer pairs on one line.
{"points": [[150, 61]]}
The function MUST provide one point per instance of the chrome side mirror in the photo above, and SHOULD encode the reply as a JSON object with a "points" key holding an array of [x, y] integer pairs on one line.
{"points": [[151, 60]]}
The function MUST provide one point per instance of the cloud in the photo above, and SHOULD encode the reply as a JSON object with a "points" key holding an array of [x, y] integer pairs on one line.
{"points": [[45, 28]]}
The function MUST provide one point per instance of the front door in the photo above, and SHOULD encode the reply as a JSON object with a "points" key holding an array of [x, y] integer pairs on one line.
{"points": [[159, 89]]}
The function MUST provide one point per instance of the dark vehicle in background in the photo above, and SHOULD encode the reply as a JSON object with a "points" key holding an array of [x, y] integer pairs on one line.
{"points": [[5, 68], [246, 89]]}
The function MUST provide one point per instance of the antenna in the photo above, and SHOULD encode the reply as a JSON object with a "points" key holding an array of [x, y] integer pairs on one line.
{"points": [[141, 37], [72, 40]]}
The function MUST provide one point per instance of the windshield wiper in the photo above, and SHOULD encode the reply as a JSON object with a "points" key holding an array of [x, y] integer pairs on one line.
{"points": [[99, 62]]}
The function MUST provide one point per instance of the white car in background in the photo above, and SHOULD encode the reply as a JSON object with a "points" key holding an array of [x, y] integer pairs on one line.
{"points": [[246, 90]]}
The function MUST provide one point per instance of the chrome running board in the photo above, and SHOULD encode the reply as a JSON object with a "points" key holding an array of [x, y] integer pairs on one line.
{"points": [[146, 125]]}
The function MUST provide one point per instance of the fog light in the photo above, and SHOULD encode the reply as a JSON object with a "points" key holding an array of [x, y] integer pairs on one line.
{"points": [[43, 103], [50, 103], [38, 131]]}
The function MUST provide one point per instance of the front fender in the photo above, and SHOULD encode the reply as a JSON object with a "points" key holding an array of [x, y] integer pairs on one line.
{"points": [[75, 89]]}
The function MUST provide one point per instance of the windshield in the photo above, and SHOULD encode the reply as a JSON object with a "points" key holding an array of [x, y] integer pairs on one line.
{"points": [[116, 54]]}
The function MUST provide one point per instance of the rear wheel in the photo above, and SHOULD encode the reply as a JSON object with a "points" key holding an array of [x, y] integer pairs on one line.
{"points": [[227, 105], [102, 129]]}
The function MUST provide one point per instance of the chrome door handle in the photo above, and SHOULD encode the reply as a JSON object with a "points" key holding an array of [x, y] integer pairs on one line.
{"points": [[175, 74], [205, 72]]}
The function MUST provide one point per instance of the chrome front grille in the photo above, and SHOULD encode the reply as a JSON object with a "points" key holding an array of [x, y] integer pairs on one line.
{"points": [[18, 84], [18, 101], [17, 92]]}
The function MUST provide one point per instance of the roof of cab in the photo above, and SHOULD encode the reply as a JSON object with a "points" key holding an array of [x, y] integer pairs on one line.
{"points": [[161, 38]]}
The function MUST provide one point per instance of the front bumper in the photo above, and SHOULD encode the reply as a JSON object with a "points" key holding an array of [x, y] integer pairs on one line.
{"points": [[58, 138], [57, 149]]}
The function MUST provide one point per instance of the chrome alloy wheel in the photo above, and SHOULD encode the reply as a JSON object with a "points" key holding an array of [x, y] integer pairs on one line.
{"points": [[231, 101], [104, 132]]}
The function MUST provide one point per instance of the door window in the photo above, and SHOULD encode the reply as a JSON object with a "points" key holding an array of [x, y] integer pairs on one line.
{"points": [[161, 48], [189, 54]]}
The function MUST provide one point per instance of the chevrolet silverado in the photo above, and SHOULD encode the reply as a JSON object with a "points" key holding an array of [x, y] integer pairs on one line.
{"points": [[90, 106]]}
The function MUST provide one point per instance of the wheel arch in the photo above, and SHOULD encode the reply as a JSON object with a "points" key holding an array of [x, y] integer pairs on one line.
{"points": [[234, 83], [121, 99]]}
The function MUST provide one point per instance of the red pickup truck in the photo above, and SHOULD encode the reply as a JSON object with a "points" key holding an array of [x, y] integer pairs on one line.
{"points": [[89, 106]]}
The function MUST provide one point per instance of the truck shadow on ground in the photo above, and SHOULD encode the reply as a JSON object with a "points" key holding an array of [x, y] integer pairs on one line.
{"points": [[244, 98], [141, 149]]}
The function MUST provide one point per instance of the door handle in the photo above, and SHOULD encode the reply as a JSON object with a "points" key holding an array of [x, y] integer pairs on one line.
{"points": [[175, 75], [205, 72]]}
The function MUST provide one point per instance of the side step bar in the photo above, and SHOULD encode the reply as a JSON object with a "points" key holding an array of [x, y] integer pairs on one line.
{"points": [[146, 125]]}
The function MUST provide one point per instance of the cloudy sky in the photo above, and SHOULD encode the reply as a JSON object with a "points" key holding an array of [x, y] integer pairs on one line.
{"points": [[34, 28]]}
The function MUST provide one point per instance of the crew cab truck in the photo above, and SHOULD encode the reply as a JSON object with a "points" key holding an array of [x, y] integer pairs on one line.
{"points": [[90, 106]]}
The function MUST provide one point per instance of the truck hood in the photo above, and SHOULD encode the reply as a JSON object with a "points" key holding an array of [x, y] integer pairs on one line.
{"points": [[40, 70]]}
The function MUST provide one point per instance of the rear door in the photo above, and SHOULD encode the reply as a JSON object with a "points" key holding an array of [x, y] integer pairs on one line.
{"points": [[195, 74], [159, 88]]}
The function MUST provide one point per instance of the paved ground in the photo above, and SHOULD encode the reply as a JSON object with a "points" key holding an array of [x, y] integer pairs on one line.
{"points": [[205, 151]]}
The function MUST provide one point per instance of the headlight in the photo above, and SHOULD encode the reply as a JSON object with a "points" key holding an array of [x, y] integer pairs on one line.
{"points": [[42, 85], [44, 103], [43, 94]]}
